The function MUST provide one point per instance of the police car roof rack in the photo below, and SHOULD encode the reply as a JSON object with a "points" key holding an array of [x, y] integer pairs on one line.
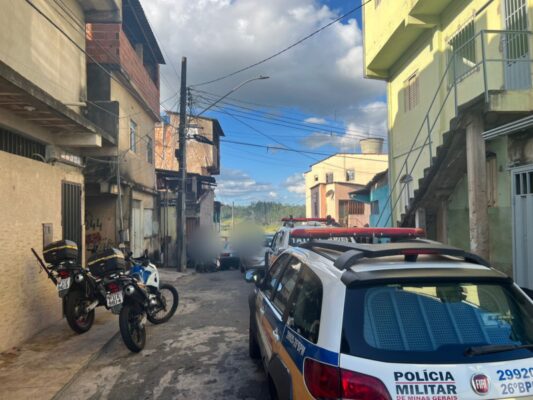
{"points": [[352, 253], [290, 220], [359, 233]]}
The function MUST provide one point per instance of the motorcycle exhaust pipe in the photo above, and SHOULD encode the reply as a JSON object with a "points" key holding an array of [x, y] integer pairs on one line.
{"points": [[92, 306]]}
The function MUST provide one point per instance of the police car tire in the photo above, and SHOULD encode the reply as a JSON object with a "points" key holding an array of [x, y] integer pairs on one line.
{"points": [[253, 347]]}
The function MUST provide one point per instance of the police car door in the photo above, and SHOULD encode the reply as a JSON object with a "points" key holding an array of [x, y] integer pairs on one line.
{"points": [[263, 304], [278, 364]]}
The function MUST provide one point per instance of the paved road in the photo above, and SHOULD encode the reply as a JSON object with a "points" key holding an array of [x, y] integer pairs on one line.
{"points": [[201, 353]]}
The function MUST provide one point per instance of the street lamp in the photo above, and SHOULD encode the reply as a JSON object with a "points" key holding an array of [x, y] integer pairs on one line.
{"points": [[261, 77]]}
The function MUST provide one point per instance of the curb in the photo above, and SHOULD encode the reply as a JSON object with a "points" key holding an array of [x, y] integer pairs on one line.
{"points": [[95, 355]]}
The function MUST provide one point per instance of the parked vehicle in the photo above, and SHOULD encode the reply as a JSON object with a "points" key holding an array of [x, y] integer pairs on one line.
{"points": [[81, 291], [410, 319], [166, 295], [255, 257], [228, 258], [288, 235]]}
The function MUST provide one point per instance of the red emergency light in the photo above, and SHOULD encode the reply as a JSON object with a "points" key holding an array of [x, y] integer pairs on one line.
{"points": [[325, 233], [290, 219]]}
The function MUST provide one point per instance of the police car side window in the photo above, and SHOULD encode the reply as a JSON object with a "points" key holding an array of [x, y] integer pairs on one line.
{"points": [[306, 306], [273, 274], [286, 285]]}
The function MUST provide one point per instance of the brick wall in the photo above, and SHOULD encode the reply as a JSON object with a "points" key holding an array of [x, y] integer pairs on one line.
{"points": [[30, 196], [108, 44]]}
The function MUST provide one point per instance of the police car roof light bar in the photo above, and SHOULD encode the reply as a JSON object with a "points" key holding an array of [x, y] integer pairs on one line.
{"points": [[325, 233], [289, 221], [355, 252]]}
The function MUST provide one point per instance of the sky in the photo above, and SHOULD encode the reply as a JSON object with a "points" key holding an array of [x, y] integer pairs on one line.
{"points": [[316, 98]]}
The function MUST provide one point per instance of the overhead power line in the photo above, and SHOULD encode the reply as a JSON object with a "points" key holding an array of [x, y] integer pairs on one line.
{"points": [[264, 60], [300, 151], [294, 122]]}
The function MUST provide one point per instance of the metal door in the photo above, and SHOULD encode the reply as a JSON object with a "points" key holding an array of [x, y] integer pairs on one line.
{"points": [[137, 229], [523, 226], [71, 212], [517, 64]]}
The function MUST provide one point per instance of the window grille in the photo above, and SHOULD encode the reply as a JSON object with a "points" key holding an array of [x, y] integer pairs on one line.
{"points": [[350, 175], [463, 50], [329, 177], [411, 92], [14, 143]]}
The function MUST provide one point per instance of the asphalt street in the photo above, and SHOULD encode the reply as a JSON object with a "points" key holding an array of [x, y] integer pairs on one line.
{"points": [[201, 353]]}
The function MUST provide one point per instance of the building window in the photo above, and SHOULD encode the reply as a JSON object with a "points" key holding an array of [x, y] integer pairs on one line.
{"points": [[463, 50], [316, 178], [492, 180], [14, 143], [374, 207], [133, 136], [411, 92], [149, 149], [329, 177], [351, 207], [350, 175]]}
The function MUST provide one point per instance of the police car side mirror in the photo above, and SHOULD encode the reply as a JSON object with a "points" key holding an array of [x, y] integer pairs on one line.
{"points": [[254, 276]]}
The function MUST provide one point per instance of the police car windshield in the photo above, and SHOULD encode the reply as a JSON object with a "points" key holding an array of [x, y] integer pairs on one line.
{"points": [[436, 322]]}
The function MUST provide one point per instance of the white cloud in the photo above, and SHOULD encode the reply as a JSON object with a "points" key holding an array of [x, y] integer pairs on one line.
{"points": [[371, 120], [295, 184], [315, 120], [238, 185], [322, 76]]}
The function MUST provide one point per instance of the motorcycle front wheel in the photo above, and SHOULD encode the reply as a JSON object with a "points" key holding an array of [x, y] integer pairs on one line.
{"points": [[132, 329], [79, 321], [168, 299]]}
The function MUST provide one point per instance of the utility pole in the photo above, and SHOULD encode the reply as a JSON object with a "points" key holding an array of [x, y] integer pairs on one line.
{"points": [[182, 160]]}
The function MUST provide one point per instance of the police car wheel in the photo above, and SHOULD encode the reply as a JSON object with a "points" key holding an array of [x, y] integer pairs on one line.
{"points": [[253, 347]]}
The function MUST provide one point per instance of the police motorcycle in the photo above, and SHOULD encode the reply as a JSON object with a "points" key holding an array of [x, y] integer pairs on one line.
{"points": [[81, 289], [164, 297]]}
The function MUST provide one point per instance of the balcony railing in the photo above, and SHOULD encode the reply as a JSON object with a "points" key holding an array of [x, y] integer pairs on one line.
{"points": [[492, 62]]}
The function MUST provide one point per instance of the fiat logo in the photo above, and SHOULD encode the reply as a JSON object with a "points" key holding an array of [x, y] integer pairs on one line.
{"points": [[480, 383]]}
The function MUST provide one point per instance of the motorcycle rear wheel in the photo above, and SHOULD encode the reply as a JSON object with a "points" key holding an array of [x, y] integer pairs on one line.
{"points": [[132, 332], [170, 308], [74, 304]]}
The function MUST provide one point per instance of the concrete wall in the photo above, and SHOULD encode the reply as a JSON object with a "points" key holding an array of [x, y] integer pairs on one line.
{"points": [[381, 195], [201, 157], [500, 215], [51, 62], [207, 209], [100, 222], [134, 166], [30, 195], [366, 166]]}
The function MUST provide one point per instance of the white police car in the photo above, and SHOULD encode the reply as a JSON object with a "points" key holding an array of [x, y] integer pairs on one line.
{"points": [[409, 320]]}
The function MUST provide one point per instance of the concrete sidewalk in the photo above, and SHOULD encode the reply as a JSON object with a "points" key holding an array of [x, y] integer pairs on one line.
{"points": [[42, 366]]}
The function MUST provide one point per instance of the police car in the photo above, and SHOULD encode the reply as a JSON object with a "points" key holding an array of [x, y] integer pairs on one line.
{"points": [[404, 320], [284, 239]]}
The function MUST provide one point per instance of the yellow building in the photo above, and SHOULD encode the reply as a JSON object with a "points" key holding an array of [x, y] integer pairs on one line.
{"points": [[459, 89], [329, 182]]}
